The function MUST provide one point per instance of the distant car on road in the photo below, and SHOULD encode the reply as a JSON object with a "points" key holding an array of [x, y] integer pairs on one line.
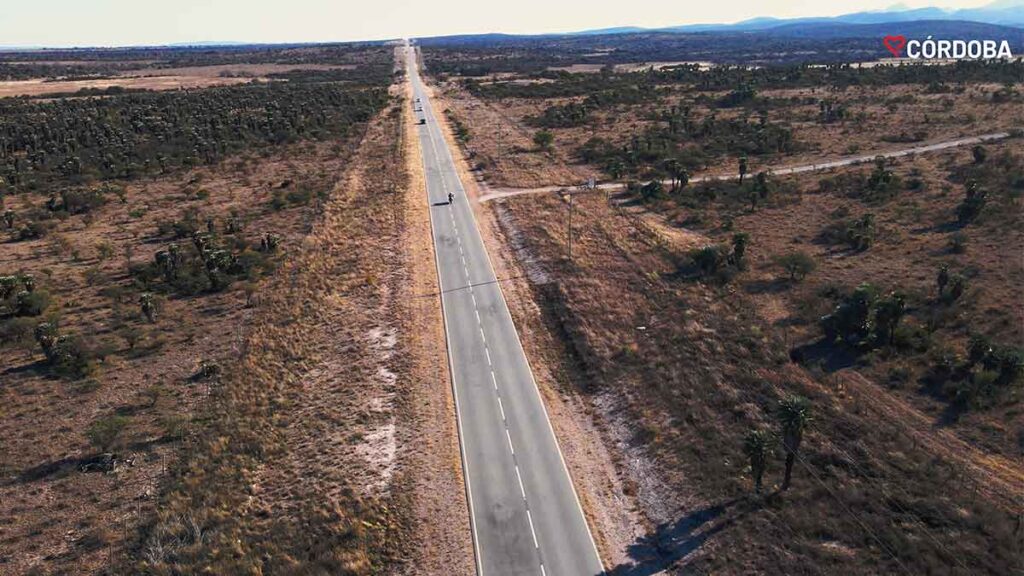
{"points": [[423, 121]]}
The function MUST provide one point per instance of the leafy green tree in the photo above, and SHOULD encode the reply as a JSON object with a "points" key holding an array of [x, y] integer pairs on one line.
{"points": [[888, 313], [740, 240], [684, 178], [794, 415], [653, 190], [978, 348], [543, 139], [616, 169], [974, 201], [979, 153], [957, 287], [851, 321], [757, 446], [709, 259], [797, 264], [761, 184], [860, 235]]}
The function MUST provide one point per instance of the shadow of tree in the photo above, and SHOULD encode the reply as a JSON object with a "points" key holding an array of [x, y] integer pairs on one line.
{"points": [[670, 543], [829, 356]]}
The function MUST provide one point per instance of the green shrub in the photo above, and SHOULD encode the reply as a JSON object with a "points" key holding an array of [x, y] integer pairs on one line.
{"points": [[32, 303], [104, 432], [16, 330], [958, 243]]}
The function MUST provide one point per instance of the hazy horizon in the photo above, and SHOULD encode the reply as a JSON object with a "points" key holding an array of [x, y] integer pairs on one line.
{"points": [[66, 23]]}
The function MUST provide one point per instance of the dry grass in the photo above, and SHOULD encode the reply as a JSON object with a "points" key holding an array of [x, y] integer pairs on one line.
{"points": [[683, 369], [295, 468], [221, 70], [145, 78], [50, 508], [43, 87], [431, 479], [512, 159]]}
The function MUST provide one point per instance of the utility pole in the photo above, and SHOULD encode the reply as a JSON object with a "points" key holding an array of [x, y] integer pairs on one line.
{"points": [[570, 226]]}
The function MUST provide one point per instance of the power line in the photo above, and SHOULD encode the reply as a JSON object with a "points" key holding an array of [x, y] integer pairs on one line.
{"points": [[915, 517], [852, 514]]}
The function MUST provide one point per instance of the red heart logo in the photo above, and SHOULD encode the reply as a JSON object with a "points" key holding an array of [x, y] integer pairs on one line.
{"points": [[895, 44]]}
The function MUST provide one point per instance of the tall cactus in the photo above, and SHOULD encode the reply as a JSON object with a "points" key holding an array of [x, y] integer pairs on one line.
{"points": [[148, 305]]}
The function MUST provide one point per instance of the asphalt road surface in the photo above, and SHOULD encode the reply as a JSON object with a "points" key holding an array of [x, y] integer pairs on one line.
{"points": [[497, 193], [525, 514]]}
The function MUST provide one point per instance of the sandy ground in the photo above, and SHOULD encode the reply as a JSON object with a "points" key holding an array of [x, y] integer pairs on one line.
{"points": [[611, 512], [41, 87], [162, 78]]}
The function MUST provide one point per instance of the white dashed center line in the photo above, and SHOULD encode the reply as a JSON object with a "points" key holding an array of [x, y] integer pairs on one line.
{"points": [[494, 378]]}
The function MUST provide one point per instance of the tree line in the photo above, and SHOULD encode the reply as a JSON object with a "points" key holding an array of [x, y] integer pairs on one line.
{"points": [[137, 134]]}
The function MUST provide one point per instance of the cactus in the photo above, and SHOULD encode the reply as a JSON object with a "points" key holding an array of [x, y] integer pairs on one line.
{"points": [[46, 335], [957, 286], [202, 240], [208, 369], [942, 279], [739, 247], [148, 305], [8, 284], [269, 242]]}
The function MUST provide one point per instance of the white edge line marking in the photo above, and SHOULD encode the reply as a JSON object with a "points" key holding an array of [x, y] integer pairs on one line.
{"points": [[451, 370], [509, 436], [547, 418]]}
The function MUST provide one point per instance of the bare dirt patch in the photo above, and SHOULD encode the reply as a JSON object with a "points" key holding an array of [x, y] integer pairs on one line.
{"points": [[229, 70], [43, 87]]}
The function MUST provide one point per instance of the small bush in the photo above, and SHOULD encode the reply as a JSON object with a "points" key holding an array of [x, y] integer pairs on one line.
{"points": [[32, 303], [16, 330], [104, 432], [958, 243]]}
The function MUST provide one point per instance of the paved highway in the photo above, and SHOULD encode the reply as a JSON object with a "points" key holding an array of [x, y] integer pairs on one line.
{"points": [[525, 514]]}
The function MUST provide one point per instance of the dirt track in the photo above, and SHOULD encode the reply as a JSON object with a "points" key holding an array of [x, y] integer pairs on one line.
{"points": [[496, 193]]}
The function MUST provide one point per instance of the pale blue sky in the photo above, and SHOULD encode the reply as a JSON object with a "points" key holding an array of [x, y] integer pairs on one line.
{"points": [[134, 22]]}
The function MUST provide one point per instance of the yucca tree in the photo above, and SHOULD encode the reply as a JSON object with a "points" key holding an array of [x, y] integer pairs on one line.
{"points": [[794, 415], [942, 279], [148, 305], [743, 168], [757, 445]]}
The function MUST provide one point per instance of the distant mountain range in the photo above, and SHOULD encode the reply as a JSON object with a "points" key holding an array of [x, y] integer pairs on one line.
{"points": [[1008, 13]]}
